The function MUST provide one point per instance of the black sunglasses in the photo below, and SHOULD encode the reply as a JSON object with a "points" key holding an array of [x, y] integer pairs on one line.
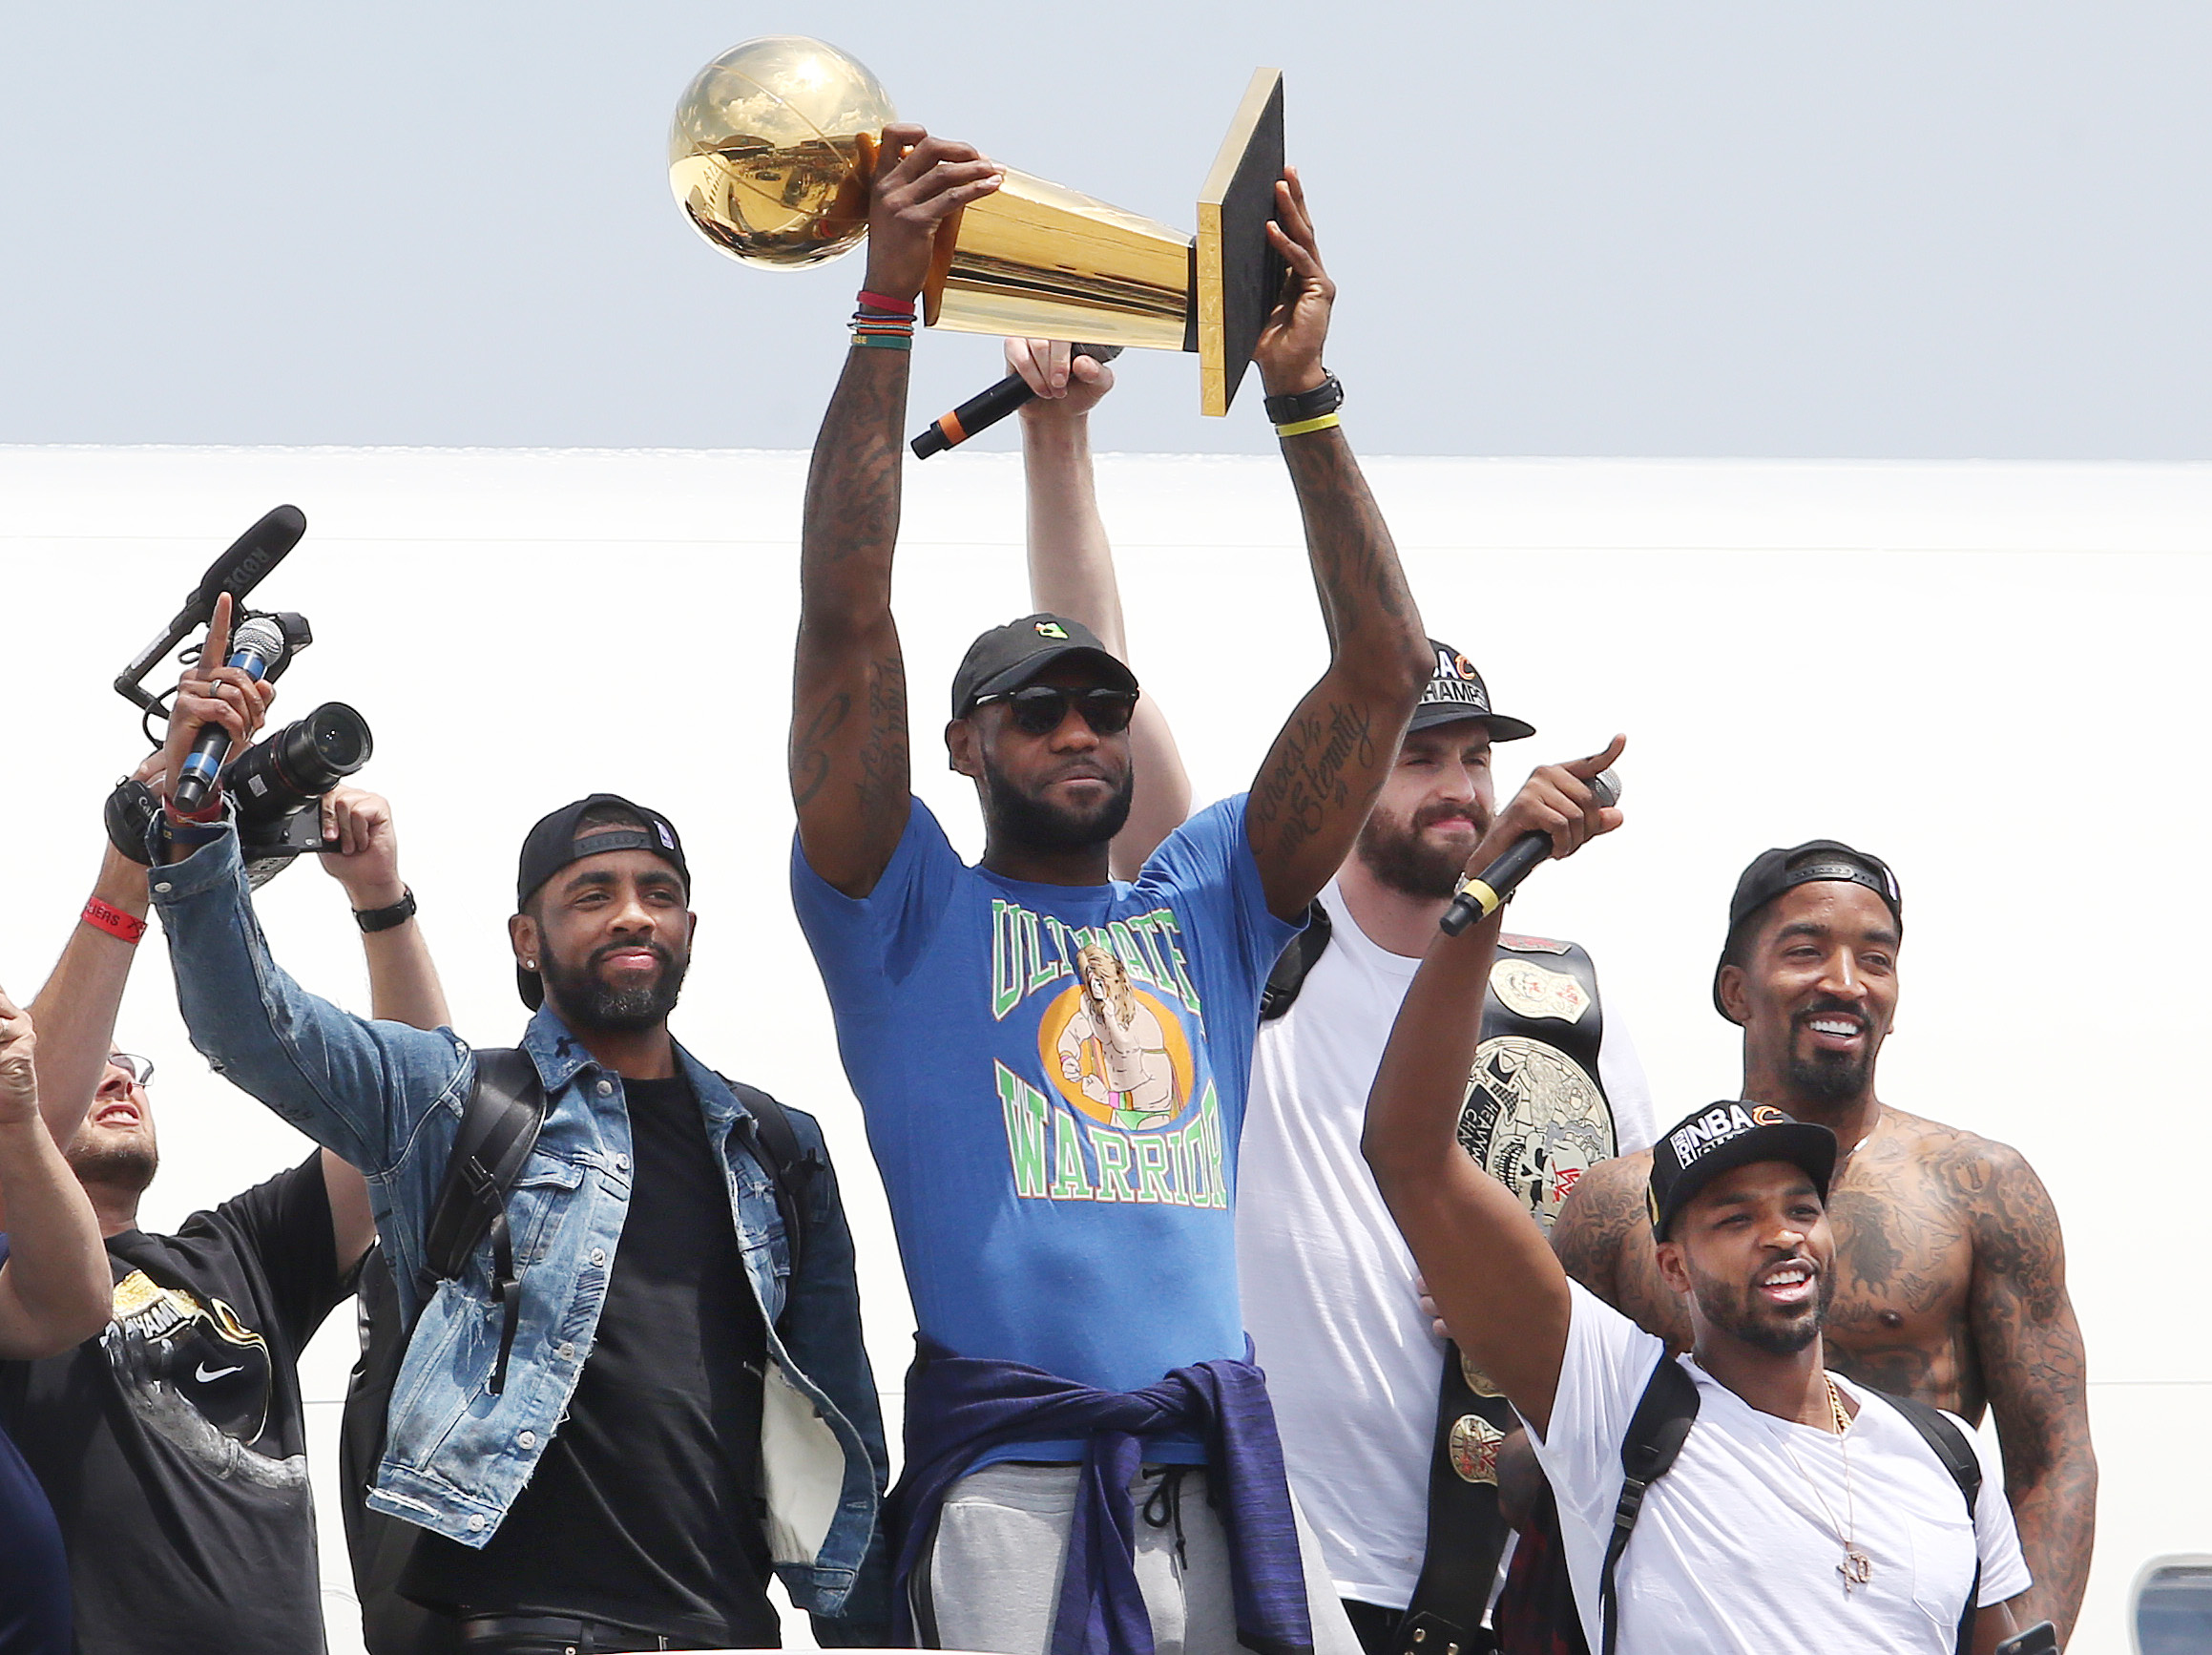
{"points": [[1039, 708]]}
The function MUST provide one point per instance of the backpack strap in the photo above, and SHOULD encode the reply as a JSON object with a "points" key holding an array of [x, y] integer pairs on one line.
{"points": [[1662, 1420], [1958, 1457], [1288, 977], [790, 1168], [499, 1126]]}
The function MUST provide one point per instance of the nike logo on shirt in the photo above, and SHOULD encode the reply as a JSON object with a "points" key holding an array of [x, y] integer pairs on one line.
{"points": [[203, 1375]]}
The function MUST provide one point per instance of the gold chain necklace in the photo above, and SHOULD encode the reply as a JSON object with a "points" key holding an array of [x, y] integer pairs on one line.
{"points": [[1857, 1569]]}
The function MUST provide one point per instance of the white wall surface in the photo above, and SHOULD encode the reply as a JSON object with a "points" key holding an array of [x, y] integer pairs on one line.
{"points": [[1989, 675]]}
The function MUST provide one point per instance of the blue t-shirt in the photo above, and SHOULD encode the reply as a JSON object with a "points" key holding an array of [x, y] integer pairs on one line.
{"points": [[1053, 1079]]}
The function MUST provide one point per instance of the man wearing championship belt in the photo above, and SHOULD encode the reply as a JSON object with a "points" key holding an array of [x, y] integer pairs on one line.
{"points": [[1390, 1439]]}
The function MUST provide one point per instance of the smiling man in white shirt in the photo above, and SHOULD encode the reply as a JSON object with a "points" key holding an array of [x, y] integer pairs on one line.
{"points": [[1804, 1511]]}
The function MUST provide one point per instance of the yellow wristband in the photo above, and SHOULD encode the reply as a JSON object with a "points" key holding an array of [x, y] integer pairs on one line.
{"points": [[1299, 427]]}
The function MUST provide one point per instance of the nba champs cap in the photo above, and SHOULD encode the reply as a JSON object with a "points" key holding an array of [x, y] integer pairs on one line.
{"points": [[1456, 691], [1723, 1136]]}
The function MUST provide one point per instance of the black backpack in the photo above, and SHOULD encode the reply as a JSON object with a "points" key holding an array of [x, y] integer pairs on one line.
{"points": [[1656, 1430], [498, 1128]]}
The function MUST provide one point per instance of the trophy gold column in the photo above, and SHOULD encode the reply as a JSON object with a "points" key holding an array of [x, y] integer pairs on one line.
{"points": [[775, 142]]}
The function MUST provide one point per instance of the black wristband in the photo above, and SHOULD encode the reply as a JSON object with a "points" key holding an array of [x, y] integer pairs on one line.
{"points": [[1324, 398], [373, 919]]}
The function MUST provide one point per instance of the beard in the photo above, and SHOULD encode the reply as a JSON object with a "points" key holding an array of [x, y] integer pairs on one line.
{"points": [[1018, 818], [116, 1163], [1831, 1078], [1733, 1310], [588, 1001], [1402, 860]]}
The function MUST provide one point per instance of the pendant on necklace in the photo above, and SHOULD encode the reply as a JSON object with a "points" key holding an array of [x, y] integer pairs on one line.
{"points": [[1857, 1569]]}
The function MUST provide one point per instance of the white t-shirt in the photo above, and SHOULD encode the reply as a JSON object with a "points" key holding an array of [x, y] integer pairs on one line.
{"points": [[1733, 1553], [1327, 1282]]}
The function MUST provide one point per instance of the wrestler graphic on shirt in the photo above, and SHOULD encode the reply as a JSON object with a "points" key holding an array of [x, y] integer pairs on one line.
{"points": [[1114, 1049]]}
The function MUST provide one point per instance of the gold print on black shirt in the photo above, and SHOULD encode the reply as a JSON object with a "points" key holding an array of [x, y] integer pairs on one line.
{"points": [[199, 1377]]}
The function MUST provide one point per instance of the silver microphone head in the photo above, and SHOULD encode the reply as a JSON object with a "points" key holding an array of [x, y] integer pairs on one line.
{"points": [[1606, 784], [264, 637]]}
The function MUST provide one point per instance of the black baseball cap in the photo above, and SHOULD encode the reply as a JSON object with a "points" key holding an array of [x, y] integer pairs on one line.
{"points": [[553, 845], [1774, 872], [1456, 691], [1007, 657], [1723, 1136]]}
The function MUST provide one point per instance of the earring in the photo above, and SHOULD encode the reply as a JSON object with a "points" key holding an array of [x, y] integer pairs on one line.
{"points": [[529, 965]]}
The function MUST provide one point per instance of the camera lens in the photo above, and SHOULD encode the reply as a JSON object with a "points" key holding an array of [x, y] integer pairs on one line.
{"points": [[300, 763]]}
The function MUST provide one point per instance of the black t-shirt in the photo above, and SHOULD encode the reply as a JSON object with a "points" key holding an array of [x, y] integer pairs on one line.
{"points": [[645, 1509], [173, 1446]]}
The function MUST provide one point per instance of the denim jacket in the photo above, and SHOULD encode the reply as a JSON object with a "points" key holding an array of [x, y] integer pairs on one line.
{"points": [[388, 1099]]}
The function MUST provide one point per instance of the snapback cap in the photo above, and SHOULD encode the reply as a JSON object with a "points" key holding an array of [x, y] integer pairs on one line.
{"points": [[1774, 872], [1456, 691], [1007, 657], [553, 845], [1719, 1139]]}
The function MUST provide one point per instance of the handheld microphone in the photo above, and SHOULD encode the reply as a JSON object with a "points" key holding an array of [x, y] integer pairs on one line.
{"points": [[237, 572], [986, 408], [259, 643], [1481, 895]]}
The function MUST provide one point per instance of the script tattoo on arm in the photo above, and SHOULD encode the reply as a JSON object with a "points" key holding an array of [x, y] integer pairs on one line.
{"points": [[848, 754], [1321, 775], [1602, 1236], [2034, 1370]]}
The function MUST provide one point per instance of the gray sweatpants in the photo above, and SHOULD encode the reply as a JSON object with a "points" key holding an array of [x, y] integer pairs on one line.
{"points": [[993, 1576]]}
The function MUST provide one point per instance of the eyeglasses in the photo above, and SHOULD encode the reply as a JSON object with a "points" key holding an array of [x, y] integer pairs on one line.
{"points": [[140, 1069], [1039, 708]]}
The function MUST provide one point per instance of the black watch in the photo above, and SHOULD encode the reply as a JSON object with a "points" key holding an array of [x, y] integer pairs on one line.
{"points": [[373, 919], [1324, 398]]}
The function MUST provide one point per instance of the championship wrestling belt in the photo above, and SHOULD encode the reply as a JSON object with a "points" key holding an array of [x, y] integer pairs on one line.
{"points": [[1536, 1118]]}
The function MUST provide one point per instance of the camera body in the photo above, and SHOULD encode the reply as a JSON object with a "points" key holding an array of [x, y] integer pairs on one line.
{"points": [[276, 787]]}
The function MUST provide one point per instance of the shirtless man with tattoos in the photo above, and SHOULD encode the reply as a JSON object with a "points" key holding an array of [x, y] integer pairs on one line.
{"points": [[1088, 1445], [1952, 1272]]}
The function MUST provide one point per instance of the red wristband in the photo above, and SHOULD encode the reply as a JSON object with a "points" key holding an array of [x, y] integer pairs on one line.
{"points": [[883, 302], [106, 917]]}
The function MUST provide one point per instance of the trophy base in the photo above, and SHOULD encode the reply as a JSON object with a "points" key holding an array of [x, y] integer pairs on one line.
{"points": [[1239, 273]]}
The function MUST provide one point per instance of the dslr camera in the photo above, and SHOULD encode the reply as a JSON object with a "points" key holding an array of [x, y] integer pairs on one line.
{"points": [[277, 784]]}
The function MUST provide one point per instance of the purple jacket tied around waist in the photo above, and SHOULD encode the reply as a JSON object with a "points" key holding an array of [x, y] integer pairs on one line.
{"points": [[960, 1407]]}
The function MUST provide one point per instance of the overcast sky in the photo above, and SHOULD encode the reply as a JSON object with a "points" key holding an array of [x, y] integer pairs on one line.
{"points": [[1924, 231]]}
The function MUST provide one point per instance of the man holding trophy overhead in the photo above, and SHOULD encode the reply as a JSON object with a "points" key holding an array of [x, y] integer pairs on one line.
{"points": [[1053, 1063]]}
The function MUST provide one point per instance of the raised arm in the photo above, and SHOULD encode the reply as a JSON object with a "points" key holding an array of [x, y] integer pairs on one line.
{"points": [[76, 1011], [1485, 1262], [402, 979], [848, 753], [55, 1291], [1321, 776], [2033, 1366], [1072, 570]]}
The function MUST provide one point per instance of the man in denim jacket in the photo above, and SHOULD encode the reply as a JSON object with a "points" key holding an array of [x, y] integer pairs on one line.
{"points": [[708, 1428]]}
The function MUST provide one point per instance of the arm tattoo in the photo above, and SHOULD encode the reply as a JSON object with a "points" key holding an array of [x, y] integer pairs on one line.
{"points": [[1325, 766], [850, 776], [2033, 1366]]}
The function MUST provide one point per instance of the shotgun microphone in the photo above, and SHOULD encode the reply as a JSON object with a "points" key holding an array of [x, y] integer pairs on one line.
{"points": [[1481, 895], [986, 408], [237, 572]]}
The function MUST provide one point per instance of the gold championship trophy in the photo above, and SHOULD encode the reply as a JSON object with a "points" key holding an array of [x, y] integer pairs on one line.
{"points": [[774, 143]]}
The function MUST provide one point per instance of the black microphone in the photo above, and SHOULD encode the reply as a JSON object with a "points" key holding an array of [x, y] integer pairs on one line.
{"points": [[1481, 895], [259, 643], [237, 572], [986, 408]]}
